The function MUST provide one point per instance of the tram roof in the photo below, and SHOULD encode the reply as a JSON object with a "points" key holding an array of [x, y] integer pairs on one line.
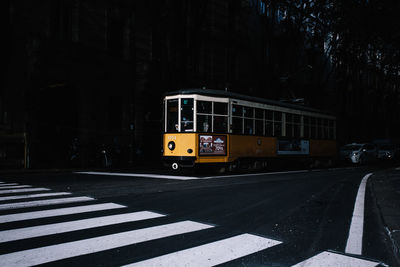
{"points": [[220, 93]]}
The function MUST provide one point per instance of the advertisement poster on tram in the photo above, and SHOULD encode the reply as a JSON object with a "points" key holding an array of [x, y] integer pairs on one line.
{"points": [[293, 147], [212, 145]]}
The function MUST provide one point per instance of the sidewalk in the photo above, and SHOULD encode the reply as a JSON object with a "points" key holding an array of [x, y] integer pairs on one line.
{"points": [[386, 189]]}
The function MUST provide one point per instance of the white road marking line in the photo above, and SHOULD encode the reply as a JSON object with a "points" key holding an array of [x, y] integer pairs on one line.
{"points": [[335, 260], [142, 175], [57, 228], [354, 241], [34, 196], [159, 176], [15, 187], [3, 184], [212, 253], [398, 169], [24, 190], [87, 246], [38, 203], [254, 174], [177, 177], [57, 212]]}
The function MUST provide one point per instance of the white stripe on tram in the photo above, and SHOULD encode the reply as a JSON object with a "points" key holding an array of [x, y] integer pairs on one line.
{"points": [[213, 253], [334, 260], [34, 196], [37, 203], [11, 191], [57, 228], [87, 246], [354, 241], [142, 175], [58, 212], [15, 187], [3, 184]]}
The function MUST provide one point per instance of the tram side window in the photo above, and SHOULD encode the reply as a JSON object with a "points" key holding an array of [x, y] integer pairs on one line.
{"points": [[296, 125], [326, 129], [204, 116], [277, 123], [313, 128], [204, 123], [320, 127], [248, 114], [259, 115], [172, 115], [248, 126], [187, 115], [320, 133], [220, 124], [269, 123], [331, 129], [220, 117], [204, 107], [237, 125], [220, 108], [237, 110], [306, 123], [289, 125], [237, 119]]}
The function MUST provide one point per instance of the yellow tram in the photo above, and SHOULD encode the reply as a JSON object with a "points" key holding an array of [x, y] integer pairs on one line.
{"points": [[203, 126]]}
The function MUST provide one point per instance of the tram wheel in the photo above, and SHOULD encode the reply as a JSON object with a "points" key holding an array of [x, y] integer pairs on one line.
{"points": [[232, 166], [256, 165], [222, 169], [175, 166]]}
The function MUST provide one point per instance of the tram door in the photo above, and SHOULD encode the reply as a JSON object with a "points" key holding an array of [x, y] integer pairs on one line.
{"points": [[172, 125]]}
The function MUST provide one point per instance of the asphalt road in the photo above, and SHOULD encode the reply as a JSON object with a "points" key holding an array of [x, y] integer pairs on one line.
{"points": [[254, 219]]}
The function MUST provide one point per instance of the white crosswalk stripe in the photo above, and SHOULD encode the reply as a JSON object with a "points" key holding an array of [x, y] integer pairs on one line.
{"points": [[213, 253], [14, 187], [4, 184], [24, 190], [51, 229], [34, 196], [58, 212], [38, 203]]}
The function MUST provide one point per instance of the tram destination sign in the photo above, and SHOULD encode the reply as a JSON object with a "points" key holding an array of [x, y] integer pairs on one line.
{"points": [[212, 145]]}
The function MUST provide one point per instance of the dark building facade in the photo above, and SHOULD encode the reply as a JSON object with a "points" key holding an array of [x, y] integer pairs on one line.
{"points": [[95, 71]]}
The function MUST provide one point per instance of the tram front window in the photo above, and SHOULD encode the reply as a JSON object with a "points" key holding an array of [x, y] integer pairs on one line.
{"points": [[186, 115], [172, 116]]}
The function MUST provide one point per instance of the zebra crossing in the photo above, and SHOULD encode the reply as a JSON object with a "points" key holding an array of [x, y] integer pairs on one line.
{"points": [[61, 205]]}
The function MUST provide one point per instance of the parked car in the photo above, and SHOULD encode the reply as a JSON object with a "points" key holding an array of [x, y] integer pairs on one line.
{"points": [[359, 153], [388, 152]]}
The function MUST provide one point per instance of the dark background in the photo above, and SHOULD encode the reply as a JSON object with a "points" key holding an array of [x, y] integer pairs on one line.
{"points": [[97, 70]]}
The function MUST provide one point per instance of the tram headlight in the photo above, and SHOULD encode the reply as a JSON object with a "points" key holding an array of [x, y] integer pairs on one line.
{"points": [[171, 145]]}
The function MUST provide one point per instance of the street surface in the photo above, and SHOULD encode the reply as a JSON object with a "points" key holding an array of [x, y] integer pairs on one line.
{"points": [[159, 218]]}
